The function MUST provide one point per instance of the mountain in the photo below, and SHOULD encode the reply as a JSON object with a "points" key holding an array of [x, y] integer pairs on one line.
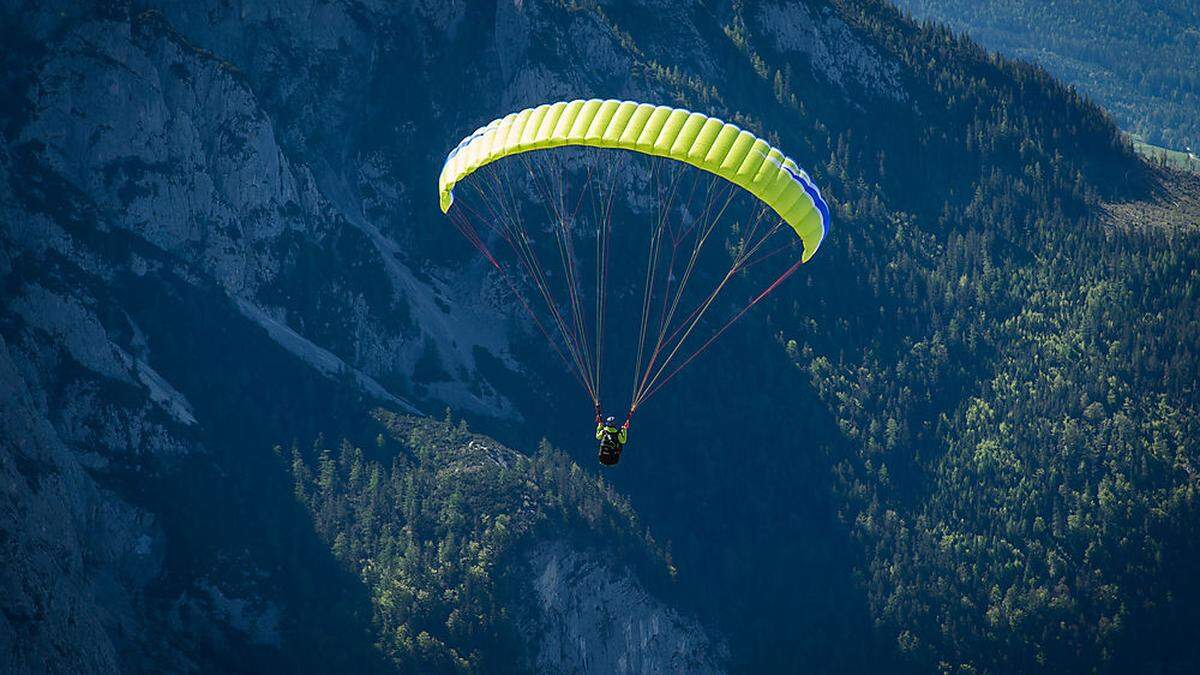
{"points": [[480, 558], [1133, 57], [963, 438]]}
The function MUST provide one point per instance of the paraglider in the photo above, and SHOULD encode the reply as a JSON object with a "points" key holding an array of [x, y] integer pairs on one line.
{"points": [[612, 439], [716, 208]]}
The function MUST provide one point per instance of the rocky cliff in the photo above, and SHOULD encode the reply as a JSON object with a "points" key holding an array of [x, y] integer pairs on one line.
{"points": [[204, 208], [577, 627]]}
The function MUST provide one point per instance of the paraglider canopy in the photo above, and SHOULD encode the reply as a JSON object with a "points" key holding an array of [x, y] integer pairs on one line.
{"points": [[787, 212]]}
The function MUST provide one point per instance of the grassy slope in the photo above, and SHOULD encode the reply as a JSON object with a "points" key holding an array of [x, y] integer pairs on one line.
{"points": [[1174, 159]]}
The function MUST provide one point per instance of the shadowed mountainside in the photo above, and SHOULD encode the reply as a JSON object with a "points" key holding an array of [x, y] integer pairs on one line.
{"points": [[962, 438]]}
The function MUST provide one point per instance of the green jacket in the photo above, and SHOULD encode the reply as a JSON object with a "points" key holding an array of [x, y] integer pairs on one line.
{"points": [[622, 433]]}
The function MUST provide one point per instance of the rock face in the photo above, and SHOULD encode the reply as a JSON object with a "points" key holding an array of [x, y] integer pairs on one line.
{"points": [[214, 218], [823, 39], [51, 515], [587, 617]]}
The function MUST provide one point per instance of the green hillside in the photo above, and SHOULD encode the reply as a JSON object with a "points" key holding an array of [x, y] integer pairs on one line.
{"points": [[1137, 58], [433, 518], [1010, 372]]}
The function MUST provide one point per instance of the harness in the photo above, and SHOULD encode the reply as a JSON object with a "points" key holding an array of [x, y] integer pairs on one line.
{"points": [[610, 446], [611, 437]]}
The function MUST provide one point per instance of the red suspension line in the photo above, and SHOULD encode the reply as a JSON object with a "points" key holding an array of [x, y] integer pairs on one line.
{"points": [[706, 231], [783, 277], [567, 258], [648, 384], [652, 264], [524, 303], [518, 240]]}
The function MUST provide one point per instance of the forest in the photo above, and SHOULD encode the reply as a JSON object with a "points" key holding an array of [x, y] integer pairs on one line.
{"points": [[1136, 58], [431, 517], [1005, 373]]}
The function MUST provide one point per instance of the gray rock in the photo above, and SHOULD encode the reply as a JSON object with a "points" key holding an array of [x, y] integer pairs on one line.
{"points": [[590, 616]]}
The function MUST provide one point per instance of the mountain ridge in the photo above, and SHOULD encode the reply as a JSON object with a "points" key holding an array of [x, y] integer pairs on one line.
{"points": [[220, 227]]}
